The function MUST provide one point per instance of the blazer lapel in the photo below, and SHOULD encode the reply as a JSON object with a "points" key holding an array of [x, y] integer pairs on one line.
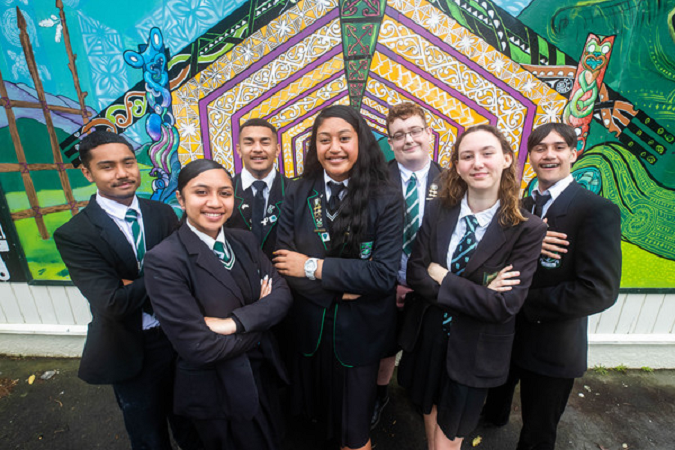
{"points": [[243, 258], [317, 212], [152, 233], [203, 257], [492, 241], [561, 204], [274, 201], [432, 182], [243, 208], [111, 233], [447, 225]]}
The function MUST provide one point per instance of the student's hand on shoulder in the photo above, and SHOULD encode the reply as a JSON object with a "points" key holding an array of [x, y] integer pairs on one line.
{"points": [[505, 280], [554, 244], [347, 296], [437, 272]]}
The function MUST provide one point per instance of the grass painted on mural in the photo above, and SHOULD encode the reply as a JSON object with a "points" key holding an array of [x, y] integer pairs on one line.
{"points": [[42, 256]]}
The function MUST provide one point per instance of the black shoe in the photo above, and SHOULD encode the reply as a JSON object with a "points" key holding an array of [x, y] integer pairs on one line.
{"points": [[380, 403]]}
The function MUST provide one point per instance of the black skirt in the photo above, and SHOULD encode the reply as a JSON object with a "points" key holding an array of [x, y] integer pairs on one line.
{"points": [[422, 372], [264, 430], [340, 399]]}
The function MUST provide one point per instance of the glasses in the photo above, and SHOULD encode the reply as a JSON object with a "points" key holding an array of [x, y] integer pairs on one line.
{"points": [[415, 132]]}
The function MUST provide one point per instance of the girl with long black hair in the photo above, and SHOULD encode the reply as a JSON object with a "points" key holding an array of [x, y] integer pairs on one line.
{"points": [[339, 240]]}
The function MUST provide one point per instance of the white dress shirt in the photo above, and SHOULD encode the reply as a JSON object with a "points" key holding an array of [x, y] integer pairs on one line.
{"points": [[484, 218], [247, 181], [329, 194], [422, 176], [555, 192], [117, 212]]}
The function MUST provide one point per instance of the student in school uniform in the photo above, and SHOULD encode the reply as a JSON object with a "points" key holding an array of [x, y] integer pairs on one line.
{"points": [[216, 295], [417, 174], [471, 266], [259, 188], [103, 248], [339, 247], [578, 275]]}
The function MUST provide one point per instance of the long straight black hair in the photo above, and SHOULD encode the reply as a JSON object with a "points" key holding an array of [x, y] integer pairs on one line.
{"points": [[368, 175]]}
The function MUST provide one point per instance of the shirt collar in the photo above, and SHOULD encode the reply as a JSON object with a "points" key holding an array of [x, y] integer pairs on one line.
{"points": [[327, 178], [558, 187], [420, 174], [484, 217], [205, 238], [116, 209], [247, 179]]}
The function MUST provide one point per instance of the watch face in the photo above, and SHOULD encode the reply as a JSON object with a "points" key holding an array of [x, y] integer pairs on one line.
{"points": [[310, 264]]}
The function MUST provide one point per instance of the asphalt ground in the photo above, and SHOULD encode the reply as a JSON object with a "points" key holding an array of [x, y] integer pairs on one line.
{"points": [[613, 411]]}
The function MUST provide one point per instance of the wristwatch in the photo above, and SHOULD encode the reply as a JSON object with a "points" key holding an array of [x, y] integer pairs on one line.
{"points": [[310, 268]]}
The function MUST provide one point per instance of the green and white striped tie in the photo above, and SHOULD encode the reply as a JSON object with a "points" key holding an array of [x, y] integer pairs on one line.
{"points": [[412, 214], [139, 239], [224, 253]]}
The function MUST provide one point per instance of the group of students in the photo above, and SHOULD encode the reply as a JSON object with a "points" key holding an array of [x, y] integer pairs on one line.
{"points": [[317, 283]]}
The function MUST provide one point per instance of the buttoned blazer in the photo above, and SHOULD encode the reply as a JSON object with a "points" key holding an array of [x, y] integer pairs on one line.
{"points": [[552, 328], [187, 282], [241, 216], [435, 171], [98, 257], [362, 327], [483, 320]]}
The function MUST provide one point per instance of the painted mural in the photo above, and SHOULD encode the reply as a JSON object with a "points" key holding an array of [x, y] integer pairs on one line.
{"points": [[177, 77]]}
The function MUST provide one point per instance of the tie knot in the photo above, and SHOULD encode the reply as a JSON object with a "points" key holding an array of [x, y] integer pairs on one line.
{"points": [[541, 199], [259, 186], [219, 247], [336, 189], [131, 215], [413, 178], [471, 223]]}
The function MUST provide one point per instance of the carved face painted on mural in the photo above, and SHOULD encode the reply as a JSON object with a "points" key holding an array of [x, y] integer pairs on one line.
{"points": [[114, 170], [258, 149], [208, 200], [597, 52]]}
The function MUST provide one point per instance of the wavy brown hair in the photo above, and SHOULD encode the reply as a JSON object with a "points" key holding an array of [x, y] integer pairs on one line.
{"points": [[453, 187]]}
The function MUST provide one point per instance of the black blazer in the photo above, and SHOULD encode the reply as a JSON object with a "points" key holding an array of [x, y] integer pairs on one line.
{"points": [[241, 216], [552, 328], [483, 320], [362, 327], [433, 180], [186, 282], [98, 256]]}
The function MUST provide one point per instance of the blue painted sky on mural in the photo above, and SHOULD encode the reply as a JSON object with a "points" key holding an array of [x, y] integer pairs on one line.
{"points": [[99, 36]]}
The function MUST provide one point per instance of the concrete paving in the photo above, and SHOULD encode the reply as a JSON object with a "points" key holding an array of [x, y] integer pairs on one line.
{"points": [[614, 411]]}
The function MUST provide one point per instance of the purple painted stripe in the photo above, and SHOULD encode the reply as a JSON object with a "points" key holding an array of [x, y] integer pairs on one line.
{"points": [[438, 83], [240, 113], [203, 103], [375, 112], [294, 142], [414, 99], [531, 107]]}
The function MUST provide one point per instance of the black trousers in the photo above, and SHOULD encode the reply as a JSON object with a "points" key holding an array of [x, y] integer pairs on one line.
{"points": [[543, 401], [146, 400]]}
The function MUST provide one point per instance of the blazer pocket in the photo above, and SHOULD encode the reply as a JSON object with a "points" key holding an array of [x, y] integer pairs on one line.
{"points": [[197, 392], [493, 355]]}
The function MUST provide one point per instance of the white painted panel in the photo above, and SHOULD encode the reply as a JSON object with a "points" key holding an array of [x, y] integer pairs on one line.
{"points": [[26, 302], [78, 305], [43, 303], [610, 317], [4, 288], [11, 305], [648, 313], [665, 320], [593, 323], [61, 302], [630, 313]]}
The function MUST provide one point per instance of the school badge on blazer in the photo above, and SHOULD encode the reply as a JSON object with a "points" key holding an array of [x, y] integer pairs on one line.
{"points": [[366, 250], [549, 263], [433, 191]]}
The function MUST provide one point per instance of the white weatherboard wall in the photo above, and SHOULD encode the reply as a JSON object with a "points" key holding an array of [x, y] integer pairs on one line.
{"points": [[639, 330]]}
